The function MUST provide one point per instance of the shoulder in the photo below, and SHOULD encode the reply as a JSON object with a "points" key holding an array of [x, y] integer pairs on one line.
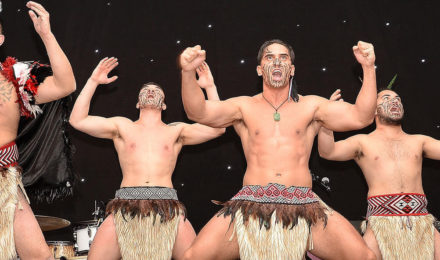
{"points": [[121, 120], [241, 100], [178, 126], [420, 138], [312, 100]]}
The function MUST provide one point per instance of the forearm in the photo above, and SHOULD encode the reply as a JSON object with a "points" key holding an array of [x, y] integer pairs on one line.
{"points": [[326, 142], [212, 93], [192, 96], [81, 108], [62, 70], [365, 105]]}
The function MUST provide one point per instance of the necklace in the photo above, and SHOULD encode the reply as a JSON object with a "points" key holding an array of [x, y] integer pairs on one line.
{"points": [[276, 115]]}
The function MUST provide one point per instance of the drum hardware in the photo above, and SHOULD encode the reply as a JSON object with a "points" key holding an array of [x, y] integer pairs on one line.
{"points": [[324, 182], [85, 231]]}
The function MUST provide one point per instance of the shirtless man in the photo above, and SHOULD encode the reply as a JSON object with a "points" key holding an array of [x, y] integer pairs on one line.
{"points": [[398, 223], [24, 85], [145, 220], [277, 136]]}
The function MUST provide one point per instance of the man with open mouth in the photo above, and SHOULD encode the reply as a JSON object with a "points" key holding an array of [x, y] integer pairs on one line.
{"points": [[276, 215], [398, 225]]}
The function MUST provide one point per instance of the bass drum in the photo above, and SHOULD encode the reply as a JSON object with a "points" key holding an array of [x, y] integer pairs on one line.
{"points": [[84, 236], [61, 249]]}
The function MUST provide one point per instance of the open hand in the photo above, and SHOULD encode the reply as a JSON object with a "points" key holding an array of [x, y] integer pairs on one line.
{"points": [[206, 79], [100, 74], [336, 96], [40, 18]]}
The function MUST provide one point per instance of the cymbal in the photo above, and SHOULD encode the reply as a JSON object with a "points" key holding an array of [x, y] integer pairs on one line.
{"points": [[48, 223]]}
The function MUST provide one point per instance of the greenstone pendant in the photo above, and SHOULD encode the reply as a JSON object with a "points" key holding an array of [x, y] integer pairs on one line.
{"points": [[276, 116]]}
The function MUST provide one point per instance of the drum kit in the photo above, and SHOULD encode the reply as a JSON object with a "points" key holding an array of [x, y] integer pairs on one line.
{"points": [[83, 234]]}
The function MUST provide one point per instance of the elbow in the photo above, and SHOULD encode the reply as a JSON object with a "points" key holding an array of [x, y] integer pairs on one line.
{"points": [[221, 131], [72, 87], [73, 121], [364, 122], [323, 154]]}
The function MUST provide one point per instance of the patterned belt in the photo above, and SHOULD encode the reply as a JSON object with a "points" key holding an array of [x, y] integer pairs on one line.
{"points": [[8, 155], [146, 193], [276, 193], [401, 204]]}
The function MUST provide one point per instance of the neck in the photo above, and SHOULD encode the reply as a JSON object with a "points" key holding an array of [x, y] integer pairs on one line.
{"points": [[276, 95], [150, 116], [388, 130]]}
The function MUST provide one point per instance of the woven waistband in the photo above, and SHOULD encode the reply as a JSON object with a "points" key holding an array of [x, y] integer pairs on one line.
{"points": [[146, 193], [8, 155], [276, 193], [401, 204]]}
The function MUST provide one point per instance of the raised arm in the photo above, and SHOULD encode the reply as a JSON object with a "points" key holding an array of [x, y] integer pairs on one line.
{"points": [[192, 134], [196, 133], [342, 116], [343, 150], [206, 81], [327, 148], [431, 147], [80, 119], [208, 112], [62, 82]]}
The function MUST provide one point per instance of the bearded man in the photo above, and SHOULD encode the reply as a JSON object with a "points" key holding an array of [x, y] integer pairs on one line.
{"points": [[398, 224]]}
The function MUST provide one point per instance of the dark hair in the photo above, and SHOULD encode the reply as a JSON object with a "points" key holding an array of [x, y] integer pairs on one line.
{"points": [[151, 83], [268, 43]]}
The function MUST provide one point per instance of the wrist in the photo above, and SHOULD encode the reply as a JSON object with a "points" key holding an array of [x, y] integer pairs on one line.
{"points": [[93, 81], [368, 66], [188, 72], [49, 36]]}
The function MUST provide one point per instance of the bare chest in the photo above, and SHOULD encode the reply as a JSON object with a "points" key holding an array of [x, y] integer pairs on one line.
{"points": [[396, 151], [139, 141], [290, 122]]}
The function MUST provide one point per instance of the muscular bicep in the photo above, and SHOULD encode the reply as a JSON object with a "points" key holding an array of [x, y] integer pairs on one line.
{"points": [[48, 91], [192, 134], [221, 113], [339, 116], [97, 126], [431, 148]]}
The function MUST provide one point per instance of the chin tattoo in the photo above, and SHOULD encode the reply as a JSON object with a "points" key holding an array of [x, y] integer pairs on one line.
{"points": [[156, 101], [387, 116], [269, 78]]}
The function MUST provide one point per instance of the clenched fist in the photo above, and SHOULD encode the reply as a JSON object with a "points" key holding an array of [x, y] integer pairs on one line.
{"points": [[364, 53], [191, 58]]}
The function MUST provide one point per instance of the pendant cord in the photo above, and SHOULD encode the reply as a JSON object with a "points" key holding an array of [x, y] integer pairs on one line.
{"points": [[276, 108]]}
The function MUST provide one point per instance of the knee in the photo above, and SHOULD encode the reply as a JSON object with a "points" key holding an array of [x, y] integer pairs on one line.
{"points": [[370, 255], [46, 255], [189, 254]]}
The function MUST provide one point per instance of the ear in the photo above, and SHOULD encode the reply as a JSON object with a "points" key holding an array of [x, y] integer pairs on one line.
{"points": [[259, 71], [292, 70], [137, 105], [164, 107], [2, 39]]}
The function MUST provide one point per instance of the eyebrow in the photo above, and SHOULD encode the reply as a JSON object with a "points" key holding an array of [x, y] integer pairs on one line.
{"points": [[388, 95]]}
